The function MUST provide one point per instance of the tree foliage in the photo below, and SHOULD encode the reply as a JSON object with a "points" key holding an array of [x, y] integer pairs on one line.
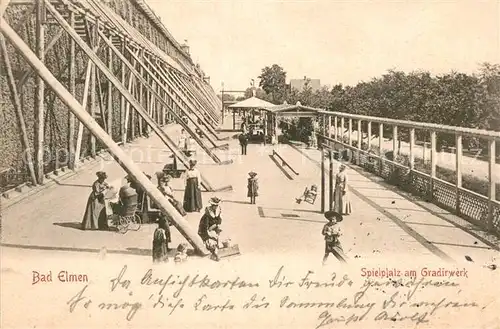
{"points": [[273, 82]]}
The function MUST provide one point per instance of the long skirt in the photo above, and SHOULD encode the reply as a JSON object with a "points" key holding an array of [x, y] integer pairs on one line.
{"points": [[192, 196], [95, 214], [341, 204]]}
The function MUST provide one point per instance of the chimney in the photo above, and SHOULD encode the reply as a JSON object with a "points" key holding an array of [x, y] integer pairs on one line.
{"points": [[185, 47]]}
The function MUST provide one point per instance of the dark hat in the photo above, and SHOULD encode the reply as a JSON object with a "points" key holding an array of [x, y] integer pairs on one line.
{"points": [[252, 174], [214, 201], [160, 175], [333, 215], [101, 174], [128, 178]]}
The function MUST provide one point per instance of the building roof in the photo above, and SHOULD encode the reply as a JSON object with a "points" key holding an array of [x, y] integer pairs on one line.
{"points": [[292, 110], [252, 103]]}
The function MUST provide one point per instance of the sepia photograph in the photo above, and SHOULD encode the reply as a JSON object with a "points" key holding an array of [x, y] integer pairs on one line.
{"points": [[250, 164]]}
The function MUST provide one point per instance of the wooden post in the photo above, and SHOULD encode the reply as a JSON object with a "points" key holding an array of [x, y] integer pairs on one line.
{"points": [[322, 179], [412, 148], [492, 183], [350, 132], [458, 169], [341, 130], [330, 185], [110, 91], [72, 90], [122, 98], [369, 138], [329, 127], [16, 101], [433, 162], [336, 132], [394, 142], [92, 107], [39, 93], [360, 141], [234, 120], [380, 147]]}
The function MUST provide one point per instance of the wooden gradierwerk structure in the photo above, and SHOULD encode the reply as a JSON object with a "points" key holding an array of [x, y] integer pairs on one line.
{"points": [[119, 72]]}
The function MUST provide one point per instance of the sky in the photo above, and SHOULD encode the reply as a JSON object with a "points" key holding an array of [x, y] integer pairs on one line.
{"points": [[334, 41]]}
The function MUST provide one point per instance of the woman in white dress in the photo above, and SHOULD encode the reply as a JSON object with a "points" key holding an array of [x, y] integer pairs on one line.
{"points": [[192, 193], [342, 203]]}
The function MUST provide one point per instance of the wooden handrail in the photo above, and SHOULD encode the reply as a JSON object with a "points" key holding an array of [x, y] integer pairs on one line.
{"points": [[284, 163], [418, 125]]}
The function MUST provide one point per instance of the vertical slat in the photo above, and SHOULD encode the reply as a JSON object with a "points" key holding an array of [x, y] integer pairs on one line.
{"points": [[412, 148], [369, 141], [330, 182], [380, 147], [458, 169], [336, 131], [92, 107], [433, 162], [360, 141], [394, 142], [341, 130], [72, 90], [39, 93], [329, 127], [492, 183], [323, 179], [123, 101], [350, 132]]}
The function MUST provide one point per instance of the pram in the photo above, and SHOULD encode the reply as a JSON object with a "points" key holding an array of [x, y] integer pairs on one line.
{"points": [[125, 215], [309, 195]]}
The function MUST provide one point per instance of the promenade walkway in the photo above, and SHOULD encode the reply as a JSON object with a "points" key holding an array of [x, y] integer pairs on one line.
{"points": [[384, 223]]}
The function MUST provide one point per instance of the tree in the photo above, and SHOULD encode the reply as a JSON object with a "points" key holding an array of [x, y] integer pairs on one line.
{"points": [[273, 82]]}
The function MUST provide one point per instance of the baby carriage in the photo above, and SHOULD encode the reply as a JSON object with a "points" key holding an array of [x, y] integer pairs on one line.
{"points": [[309, 195]]}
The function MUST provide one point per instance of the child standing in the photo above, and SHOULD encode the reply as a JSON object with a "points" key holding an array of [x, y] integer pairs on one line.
{"points": [[331, 231], [253, 187], [161, 239]]}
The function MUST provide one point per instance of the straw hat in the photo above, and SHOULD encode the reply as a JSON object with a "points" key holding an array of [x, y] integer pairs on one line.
{"points": [[331, 215], [215, 201], [101, 174]]}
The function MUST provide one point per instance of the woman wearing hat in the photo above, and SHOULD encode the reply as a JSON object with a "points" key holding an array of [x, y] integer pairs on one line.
{"points": [[192, 192], [331, 232], [253, 187], [342, 203], [95, 204], [209, 228], [167, 191]]}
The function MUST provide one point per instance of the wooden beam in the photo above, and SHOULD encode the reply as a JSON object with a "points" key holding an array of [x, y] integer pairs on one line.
{"points": [[323, 178], [127, 164], [39, 94], [16, 101], [85, 97], [110, 92]]}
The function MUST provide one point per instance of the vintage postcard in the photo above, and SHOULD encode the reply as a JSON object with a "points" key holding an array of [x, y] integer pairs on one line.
{"points": [[249, 164]]}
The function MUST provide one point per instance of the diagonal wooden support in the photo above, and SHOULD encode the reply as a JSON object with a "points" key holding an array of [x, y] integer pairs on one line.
{"points": [[16, 101], [125, 162], [170, 84], [109, 75]]}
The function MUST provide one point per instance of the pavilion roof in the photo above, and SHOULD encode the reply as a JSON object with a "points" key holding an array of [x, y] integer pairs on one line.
{"points": [[251, 103]]}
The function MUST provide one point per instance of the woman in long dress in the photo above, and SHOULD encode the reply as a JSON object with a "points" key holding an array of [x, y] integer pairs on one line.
{"points": [[342, 203], [209, 227], [161, 239], [192, 193], [95, 204]]}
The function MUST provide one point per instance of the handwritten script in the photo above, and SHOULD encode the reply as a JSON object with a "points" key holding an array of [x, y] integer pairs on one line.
{"points": [[336, 299]]}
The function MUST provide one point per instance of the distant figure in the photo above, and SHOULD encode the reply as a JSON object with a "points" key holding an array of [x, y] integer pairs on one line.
{"points": [[192, 192], [244, 128], [331, 232], [161, 239], [181, 141], [253, 187], [209, 229], [342, 204], [243, 138], [95, 204], [181, 253]]}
